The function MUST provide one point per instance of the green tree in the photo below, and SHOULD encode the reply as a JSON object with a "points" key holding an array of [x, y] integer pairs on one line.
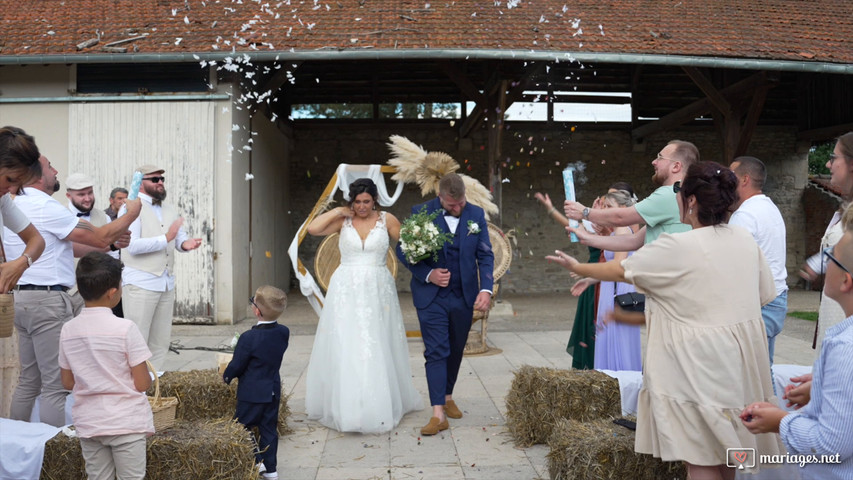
{"points": [[818, 156]]}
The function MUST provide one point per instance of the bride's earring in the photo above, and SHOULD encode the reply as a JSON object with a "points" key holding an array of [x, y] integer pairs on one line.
{"points": [[690, 211]]}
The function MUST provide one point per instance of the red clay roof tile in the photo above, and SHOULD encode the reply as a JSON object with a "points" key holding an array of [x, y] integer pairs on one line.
{"points": [[798, 30]]}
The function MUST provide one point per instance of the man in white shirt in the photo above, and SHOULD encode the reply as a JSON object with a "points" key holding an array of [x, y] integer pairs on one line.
{"points": [[42, 301], [760, 216], [81, 202], [148, 277]]}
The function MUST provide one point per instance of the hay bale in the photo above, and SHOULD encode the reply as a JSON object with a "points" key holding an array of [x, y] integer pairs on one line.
{"points": [[600, 449], [540, 396], [202, 395], [213, 449], [63, 459]]}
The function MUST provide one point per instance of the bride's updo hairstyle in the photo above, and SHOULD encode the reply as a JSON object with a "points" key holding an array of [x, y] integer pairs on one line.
{"points": [[715, 189], [363, 185]]}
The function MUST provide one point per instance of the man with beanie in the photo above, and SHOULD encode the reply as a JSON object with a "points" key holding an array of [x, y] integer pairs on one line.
{"points": [[256, 362], [148, 277]]}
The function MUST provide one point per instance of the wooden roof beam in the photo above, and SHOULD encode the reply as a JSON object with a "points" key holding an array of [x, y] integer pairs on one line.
{"points": [[494, 87], [710, 91], [464, 83], [697, 108]]}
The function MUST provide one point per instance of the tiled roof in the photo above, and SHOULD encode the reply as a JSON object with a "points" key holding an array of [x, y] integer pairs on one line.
{"points": [[798, 30]]}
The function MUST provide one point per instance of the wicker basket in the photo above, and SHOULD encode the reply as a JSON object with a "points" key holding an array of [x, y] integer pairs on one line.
{"points": [[328, 258], [7, 314], [163, 408]]}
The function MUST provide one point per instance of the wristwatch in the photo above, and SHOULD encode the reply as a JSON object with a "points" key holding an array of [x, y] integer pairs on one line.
{"points": [[585, 213]]}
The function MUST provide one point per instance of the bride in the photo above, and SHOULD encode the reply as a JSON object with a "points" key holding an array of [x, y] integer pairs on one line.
{"points": [[359, 378]]}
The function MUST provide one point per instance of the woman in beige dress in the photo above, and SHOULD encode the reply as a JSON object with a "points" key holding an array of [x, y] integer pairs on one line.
{"points": [[707, 349]]}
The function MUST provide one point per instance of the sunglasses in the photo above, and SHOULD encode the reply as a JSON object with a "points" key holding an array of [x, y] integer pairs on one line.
{"points": [[828, 253], [155, 179], [252, 301], [676, 187]]}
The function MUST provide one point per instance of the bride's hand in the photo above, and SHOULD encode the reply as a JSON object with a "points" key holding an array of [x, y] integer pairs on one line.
{"points": [[344, 212], [562, 258]]}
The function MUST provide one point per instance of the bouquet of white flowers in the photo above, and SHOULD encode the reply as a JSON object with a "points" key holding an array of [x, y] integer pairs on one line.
{"points": [[420, 238]]}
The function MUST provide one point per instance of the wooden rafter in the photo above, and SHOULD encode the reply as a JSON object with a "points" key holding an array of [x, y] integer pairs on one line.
{"points": [[698, 108]]}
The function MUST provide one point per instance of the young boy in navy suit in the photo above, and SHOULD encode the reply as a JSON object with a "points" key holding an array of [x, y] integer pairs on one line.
{"points": [[256, 362]]}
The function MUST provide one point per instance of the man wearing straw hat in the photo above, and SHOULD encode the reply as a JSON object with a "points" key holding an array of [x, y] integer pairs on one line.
{"points": [[81, 202], [148, 277], [42, 302]]}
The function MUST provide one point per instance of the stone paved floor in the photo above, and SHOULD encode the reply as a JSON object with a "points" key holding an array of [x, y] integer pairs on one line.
{"points": [[529, 330]]}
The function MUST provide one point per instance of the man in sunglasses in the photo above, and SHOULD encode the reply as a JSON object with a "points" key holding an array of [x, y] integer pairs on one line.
{"points": [[760, 217], [658, 212], [148, 278]]}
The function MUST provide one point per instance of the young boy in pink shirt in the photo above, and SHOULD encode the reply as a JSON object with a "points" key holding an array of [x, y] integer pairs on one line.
{"points": [[102, 360]]}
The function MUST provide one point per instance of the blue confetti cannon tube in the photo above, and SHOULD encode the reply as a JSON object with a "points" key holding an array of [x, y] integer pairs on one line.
{"points": [[569, 186], [134, 186]]}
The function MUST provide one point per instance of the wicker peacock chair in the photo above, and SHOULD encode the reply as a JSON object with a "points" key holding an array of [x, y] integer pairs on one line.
{"points": [[502, 249], [328, 258]]}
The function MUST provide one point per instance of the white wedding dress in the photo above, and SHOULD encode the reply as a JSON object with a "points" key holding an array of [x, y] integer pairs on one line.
{"points": [[359, 378]]}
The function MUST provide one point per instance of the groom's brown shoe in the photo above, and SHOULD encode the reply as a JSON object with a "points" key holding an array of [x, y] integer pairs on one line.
{"points": [[451, 410], [434, 426]]}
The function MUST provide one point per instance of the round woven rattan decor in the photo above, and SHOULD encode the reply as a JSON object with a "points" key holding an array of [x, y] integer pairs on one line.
{"points": [[502, 249], [328, 257]]}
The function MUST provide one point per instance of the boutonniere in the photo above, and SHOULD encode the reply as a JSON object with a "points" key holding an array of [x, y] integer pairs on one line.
{"points": [[473, 227]]}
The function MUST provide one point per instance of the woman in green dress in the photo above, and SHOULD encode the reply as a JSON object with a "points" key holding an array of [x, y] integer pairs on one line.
{"points": [[581, 344]]}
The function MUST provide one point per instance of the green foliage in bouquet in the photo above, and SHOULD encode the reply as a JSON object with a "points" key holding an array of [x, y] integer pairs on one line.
{"points": [[420, 238]]}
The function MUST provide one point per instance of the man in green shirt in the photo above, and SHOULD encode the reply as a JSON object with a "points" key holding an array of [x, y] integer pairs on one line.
{"points": [[658, 212]]}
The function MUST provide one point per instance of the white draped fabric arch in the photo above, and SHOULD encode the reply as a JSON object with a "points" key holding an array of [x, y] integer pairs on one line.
{"points": [[341, 180]]}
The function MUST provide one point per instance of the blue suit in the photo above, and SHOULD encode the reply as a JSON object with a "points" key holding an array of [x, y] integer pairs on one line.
{"points": [[256, 362], [444, 313]]}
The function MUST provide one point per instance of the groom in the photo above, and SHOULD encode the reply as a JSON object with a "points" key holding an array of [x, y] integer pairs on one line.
{"points": [[447, 291]]}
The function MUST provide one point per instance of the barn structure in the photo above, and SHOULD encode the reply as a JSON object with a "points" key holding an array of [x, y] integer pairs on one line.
{"points": [[250, 106]]}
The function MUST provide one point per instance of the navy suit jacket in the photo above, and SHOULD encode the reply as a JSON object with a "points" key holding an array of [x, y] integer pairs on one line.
{"points": [[256, 362], [475, 256]]}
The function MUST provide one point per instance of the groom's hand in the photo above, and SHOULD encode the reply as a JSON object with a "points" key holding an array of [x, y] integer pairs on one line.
{"points": [[440, 277], [483, 301]]}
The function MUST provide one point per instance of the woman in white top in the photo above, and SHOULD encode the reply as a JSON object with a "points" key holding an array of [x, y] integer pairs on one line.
{"points": [[19, 165], [840, 167]]}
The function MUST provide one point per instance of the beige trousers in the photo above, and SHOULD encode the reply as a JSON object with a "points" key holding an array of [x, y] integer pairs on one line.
{"points": [[111, 457], [152, 312]]}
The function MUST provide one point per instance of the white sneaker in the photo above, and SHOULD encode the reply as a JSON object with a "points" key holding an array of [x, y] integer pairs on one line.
{"points": [[270, 475], [261, 467]]}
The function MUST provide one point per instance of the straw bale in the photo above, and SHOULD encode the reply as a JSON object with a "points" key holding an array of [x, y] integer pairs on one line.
{"points": [[540, 396], [213, 449], [601, 450], [202, 395]]}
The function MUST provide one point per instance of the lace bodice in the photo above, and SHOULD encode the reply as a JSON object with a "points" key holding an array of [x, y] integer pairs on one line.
{"points": [[371, 251]]}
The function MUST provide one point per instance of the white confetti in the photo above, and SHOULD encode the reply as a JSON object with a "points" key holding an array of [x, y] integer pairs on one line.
{"points": [[178, 41], [505, 180], [186, 20], [249, 177]]}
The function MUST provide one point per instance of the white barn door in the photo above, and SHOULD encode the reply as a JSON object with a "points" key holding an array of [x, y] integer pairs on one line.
{"points": [[108, 141]]}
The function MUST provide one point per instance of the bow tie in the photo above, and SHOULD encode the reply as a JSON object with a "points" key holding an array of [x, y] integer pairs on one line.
{"points": [[82, 214]]}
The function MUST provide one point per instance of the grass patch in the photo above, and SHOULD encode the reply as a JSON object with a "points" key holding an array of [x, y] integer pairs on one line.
{"points": [[810, 316]]}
